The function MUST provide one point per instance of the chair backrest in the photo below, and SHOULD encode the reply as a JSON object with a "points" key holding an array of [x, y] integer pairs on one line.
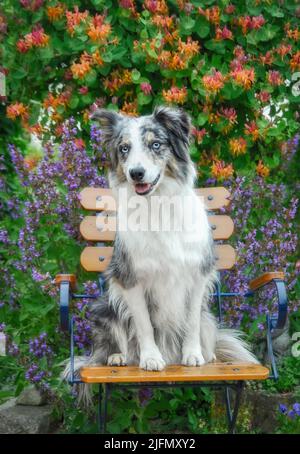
{"points": [[102, 228]]}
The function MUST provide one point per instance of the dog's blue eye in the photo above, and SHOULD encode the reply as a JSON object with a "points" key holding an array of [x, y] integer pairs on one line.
{"points": [[156, 145], [124, 148]]}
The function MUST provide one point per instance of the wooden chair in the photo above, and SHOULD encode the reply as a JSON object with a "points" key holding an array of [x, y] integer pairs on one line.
{"points": [[227, 376]]}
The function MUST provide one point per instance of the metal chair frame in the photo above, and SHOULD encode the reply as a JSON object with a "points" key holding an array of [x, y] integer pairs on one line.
{"points": [[272, 322]]}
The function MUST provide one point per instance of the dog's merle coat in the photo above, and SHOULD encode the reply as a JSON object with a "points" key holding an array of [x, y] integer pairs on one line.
{"points": [[156, 312]]}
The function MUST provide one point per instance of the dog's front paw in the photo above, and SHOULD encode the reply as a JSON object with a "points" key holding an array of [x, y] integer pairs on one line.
{"points": [[117, 359], [152, 361], [193, 358]]}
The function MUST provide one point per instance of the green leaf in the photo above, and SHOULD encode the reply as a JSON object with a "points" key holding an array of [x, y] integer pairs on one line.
{"points": [[202, 27], [187, 24], [202, 119], [144, 99], [135, 75], [74, 101]]}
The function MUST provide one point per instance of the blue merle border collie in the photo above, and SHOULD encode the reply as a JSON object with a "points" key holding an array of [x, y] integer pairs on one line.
{"points": [[158, 282]]}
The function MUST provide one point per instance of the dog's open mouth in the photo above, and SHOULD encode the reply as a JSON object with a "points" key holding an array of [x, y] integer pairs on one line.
{"points": [[145, 188]]}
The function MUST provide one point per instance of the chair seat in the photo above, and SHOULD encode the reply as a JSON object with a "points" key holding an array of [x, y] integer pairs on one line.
{"points": [[177, 373]]}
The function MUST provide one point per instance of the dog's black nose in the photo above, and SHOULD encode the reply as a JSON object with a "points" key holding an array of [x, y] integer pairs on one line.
{"points": [[137, 174]]}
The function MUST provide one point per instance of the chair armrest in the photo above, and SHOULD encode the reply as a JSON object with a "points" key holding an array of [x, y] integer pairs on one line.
{"points": [[265, 279], [277, 279], [67, 283]]}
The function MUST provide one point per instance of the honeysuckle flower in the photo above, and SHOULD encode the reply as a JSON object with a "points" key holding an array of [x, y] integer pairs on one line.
{"points": [[274, 78], [146, 88], [213, 14], [220, 170], [13, 111], [130, 108], [251, 129], [223, 33], [75, 18], [229, 113], [199, 134], [117, 79], [244, 77], [295, 61], [214, 82], [55, 13], [156, 6], [230, 9], [263, 96], [175, 95], [237, 146], [283, 50], [267, 58], [262, 170], [99, 32]]}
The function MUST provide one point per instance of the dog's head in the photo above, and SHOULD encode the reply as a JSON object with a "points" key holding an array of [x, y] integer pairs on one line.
{"points": [[143, 150]]}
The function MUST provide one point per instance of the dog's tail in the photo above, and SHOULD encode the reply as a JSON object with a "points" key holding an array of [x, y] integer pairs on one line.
{"points": [[84, 397], [231, 347]]}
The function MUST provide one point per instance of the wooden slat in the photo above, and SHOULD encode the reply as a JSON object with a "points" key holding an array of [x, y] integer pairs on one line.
{"points": [[214, 198], [225, 256], [98, 199], [103, 228], [98, 258], [207, 372], [98, 228], [265, 278]]}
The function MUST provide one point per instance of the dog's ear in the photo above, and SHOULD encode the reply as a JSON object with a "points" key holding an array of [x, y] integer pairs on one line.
{"points": [[178, 125], [109, 123], [108, 120]]}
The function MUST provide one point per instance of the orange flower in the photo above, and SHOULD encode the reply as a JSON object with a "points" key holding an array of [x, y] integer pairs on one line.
{"points": [[274, 78], [212, 14], [283, 50], [175, 95], [165, 22], [267, 58], [223, 33], [213, 83], [37, 38], [188, 49], [229, 114], [156, 6], [55, 12], [262, 170], [97, 59], [117, 79], [13, 111], [99, 33], [54, 101], [293, 34], [295, 61], [238, 146], [243, 77], [74, 19], [220, 170], [251, 129], [199, 134], [130, 108], [80, 70]]}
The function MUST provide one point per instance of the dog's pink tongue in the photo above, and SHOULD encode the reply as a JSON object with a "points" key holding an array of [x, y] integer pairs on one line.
{"points": [[141, 188]]}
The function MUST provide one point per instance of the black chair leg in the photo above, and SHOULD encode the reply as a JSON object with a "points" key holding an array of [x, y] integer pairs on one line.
{"points": [[232, 414], [103, 396]]}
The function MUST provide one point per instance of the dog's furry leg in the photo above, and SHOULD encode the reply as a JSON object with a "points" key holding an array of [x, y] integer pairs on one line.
{"points": [[191, 348], [150, 356]]}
